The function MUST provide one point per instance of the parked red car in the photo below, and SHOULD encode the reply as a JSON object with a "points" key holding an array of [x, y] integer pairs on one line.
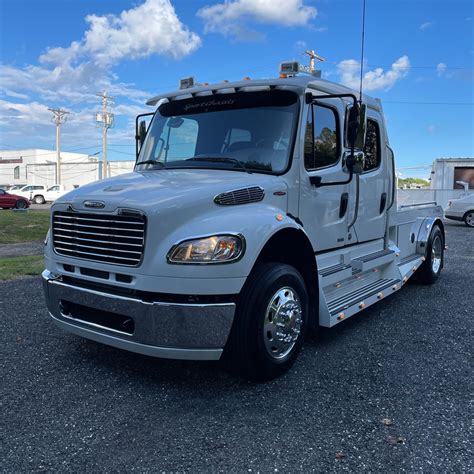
{"points": [[10, 201]]}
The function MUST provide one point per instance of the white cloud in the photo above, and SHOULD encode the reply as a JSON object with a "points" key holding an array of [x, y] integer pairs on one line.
{"points": [[425, 25], [441, 69], [72, 75], [227, 18], [349, 72]]}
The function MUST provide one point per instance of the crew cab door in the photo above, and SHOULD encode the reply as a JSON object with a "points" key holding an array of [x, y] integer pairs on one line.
{"points": [[374, 182], [324, 210]]}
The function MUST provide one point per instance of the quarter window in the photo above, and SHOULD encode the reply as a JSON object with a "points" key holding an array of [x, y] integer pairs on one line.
{"points": [[372, 146], [321, 148]]}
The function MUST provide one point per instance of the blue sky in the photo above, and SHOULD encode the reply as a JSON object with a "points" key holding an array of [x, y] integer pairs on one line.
{"points": [[419, 58]]}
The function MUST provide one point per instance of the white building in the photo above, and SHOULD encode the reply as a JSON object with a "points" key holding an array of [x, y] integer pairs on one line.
{"points": [[444, 174], [446, 171], [39, 166]]}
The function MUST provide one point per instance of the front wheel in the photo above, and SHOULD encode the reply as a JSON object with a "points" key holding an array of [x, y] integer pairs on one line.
{"points": [[270, 322], [469, 218]]}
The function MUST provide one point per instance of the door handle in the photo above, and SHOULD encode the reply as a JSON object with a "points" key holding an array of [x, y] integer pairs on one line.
{"points": [[383, 201], [343, 206]]}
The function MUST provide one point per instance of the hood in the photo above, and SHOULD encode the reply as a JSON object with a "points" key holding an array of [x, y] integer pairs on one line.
{"points": [[156, 190]]}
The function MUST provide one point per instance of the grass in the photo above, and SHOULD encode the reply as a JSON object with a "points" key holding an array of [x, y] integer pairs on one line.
{"points": [[21, 266], [23, 226]]}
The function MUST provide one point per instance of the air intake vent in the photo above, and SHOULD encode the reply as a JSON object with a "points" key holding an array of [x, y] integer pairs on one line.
{"points": [[240, 196]]}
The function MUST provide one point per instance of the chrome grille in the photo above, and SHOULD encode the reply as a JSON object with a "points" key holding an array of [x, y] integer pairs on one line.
{"points": [[240, 196], [116, 239]]}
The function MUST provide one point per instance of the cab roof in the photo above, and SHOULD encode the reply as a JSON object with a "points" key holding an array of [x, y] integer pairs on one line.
{"points": [[297, 83]]}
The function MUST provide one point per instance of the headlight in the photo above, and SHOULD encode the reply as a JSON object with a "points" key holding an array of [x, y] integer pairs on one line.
{"points": [[213, 249]]}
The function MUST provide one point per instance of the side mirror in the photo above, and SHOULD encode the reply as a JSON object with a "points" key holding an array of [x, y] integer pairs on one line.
{"points": [[141, 132], [357, 126]]}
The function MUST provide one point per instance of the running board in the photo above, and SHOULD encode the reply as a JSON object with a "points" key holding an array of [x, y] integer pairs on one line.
{"points": [[343, 303], [358, 296]]}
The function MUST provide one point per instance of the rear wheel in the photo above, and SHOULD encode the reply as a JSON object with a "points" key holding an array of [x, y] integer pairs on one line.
{"points": [[270, 322], [38, 199], [20, 204], [429, 271], [469, 218]]}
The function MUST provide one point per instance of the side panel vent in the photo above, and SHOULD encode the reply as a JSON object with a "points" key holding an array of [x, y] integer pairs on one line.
{"points": [[240, 196]]}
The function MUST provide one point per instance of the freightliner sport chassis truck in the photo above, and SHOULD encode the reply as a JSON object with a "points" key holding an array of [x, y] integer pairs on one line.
{"points": [[257, 211]]}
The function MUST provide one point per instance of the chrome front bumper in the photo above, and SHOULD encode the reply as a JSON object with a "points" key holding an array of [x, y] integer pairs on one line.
{"points": [[161, 329]]}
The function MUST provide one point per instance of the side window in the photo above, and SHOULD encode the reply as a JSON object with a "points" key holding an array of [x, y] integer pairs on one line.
{"points": [[372, 146], [37, 187], [54, 188], [28, 188], [321, 146]]}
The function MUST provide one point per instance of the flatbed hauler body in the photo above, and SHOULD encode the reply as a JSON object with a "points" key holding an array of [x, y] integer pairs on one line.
{"points": [[256, 210]]}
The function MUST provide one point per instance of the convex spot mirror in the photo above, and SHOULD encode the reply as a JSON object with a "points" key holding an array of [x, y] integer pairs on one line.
{"points": [[355, 162]]}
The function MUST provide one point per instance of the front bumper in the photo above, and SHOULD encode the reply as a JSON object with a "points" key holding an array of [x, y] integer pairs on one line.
{"points": [[160, 329]]}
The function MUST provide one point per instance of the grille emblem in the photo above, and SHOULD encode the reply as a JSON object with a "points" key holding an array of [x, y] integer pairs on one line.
{"points": [[94, 204]]}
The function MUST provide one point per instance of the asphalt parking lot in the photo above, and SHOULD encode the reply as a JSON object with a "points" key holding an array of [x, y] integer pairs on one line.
{"points": [[388, 390]]}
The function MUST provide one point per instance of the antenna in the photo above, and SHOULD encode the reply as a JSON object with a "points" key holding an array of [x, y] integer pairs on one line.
{"points": [[362, 52]]}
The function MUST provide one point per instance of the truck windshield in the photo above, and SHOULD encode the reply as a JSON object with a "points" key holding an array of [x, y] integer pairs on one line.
{"points": [[243, 131]]}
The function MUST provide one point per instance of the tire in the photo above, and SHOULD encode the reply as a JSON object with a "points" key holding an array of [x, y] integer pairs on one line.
{"points": [[256, 349], [38, 199], [469, 218], [431, 268], [21, 204]]}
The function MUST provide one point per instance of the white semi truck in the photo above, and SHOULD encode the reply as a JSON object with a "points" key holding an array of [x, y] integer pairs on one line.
{"points": [[257, 211]]}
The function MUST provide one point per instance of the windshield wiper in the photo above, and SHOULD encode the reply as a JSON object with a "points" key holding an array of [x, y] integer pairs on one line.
{"points": [[221, 159], [151, 162]]}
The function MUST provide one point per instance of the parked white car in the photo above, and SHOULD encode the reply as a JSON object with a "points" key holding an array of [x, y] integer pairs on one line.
{"points": [[33, 192], [461, 209], [40, 194]]}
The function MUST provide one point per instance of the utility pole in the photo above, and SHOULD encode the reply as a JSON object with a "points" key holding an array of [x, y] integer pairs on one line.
{"points": [[59, 117], [106, 119], [312, 56]]}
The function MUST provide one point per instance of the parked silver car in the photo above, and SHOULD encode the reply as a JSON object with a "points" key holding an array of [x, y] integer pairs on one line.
{"points": [[461, 209]]}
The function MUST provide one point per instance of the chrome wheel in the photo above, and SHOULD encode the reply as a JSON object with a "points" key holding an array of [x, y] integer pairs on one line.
{"points": [[283, 321], [469, 219], [436, 254]]}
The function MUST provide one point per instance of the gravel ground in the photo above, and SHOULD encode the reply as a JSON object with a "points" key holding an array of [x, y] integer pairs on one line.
{"points": [[71, 404]]}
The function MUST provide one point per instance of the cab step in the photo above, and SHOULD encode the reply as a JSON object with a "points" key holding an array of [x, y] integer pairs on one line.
{"points": [[372, 260]]}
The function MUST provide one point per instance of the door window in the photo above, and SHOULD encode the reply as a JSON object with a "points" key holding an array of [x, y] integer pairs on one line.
{"points": [[53, 188], [321, 147], [372, 146]]}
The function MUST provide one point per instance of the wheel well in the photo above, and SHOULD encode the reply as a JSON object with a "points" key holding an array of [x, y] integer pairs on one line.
{"points": [[466, 213], [291, 246]]}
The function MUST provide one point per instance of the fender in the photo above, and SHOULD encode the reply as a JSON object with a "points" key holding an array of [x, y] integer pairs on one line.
{"points": [[425, 231]]}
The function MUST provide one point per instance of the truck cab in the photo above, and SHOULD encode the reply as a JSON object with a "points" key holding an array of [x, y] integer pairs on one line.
{"points": [[257, 211]]}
